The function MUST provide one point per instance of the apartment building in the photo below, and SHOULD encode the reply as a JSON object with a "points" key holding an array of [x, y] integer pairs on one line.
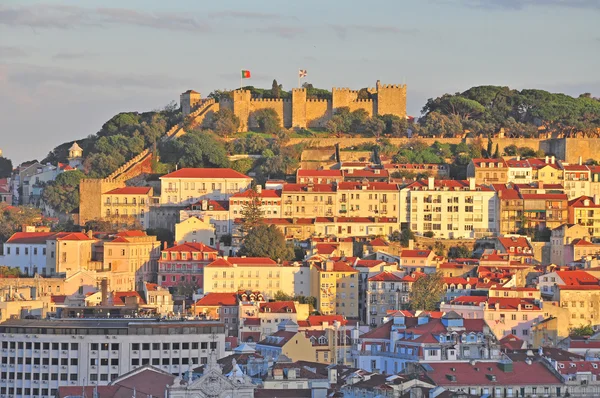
{"points": [[230, 274], [309, 200], [268, 199], [319, 176], [38, 357], [449, 208], [562, 236], [544, 210], [488, 171], [585, 211], [577, 180], [441, 171], [187, 186], [27, 252], [510, 210], [367, 199], [217, 212], [383, 294], [519, 170], [335, 285], [132, 259], [184, 264], [260, 319], [194, 229], [546, 171], [406, 339], [222, 307], [367, 174], [128, 204]]}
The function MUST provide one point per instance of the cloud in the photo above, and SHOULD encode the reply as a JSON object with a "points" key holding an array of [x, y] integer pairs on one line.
{"points": [[244, 14], [11, 52], [522, 4], [31, 77], [67, 17], [343, 30], [285, 32], [71, 55]]}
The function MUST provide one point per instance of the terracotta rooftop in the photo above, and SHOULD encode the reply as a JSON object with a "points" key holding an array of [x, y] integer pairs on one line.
{"points": [[216, 299], [243, 262], [129, 191]]}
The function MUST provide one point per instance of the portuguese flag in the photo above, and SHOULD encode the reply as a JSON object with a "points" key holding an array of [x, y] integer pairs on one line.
{"points": [[245, 74]]}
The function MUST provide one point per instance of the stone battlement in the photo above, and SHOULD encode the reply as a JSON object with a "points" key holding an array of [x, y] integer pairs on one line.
{"points": [[299, 111], [269, 100]]}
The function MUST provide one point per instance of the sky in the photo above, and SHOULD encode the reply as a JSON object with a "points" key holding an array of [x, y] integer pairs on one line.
{"points": [[66, 67]]}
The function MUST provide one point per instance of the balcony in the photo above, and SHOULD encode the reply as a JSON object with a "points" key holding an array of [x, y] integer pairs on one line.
{"points": [[171, 190], [343, 200]]}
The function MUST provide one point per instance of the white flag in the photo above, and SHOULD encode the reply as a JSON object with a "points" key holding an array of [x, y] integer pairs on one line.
{"points": [[302, 73]]}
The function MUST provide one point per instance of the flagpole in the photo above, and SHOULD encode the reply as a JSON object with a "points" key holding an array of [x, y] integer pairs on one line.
{"points": [[298, 77]]}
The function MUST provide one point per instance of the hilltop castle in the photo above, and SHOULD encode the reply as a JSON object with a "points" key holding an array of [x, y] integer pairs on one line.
{"points": [[300, 111]]}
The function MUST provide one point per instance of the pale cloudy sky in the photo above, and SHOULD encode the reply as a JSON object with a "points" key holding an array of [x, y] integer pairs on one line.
{"points": [[68, 66]]}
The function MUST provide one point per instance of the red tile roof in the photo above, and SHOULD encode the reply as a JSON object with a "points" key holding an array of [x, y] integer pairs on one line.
{"points": [[469, 300], [60, 299], [120, 239], [577, 278], [278, 339], [385, 277], [481, 162], [151, 287], [380, 332], [130, 191], [318, 173], [460, 281], [544, 196], [30, 237], [278, 307], [210, 173], [511, 342], [120, 297], [189, 247], [243, 262], [415, 253], [323, 248], [338, 266], [515, 242], [218, 299], [378, 242], [465, 374], [72, 236], [319, 320], [366, 173], [580, 202], [451, 184]]}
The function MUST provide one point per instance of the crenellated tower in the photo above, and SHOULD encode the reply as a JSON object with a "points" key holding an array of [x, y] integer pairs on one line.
{"points": [[189, 100], [299, 107], [391, 99]]}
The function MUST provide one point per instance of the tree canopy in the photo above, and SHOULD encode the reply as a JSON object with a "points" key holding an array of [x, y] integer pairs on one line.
{"points": [[266, 241], [427, 292], [6, 167], [197, 148], [62, 194]]}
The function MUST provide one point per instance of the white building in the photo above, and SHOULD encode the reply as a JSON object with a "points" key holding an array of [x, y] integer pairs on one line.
{"points": [[39, 356], [186, 186], [450, 209], [27, 252]]}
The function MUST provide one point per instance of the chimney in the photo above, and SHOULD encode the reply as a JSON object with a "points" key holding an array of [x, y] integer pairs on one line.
{"points": [[204, 204], [471, 183], [518, 157], [547, 159], [552, 159], [165, 245], [580, 160], [540, 184], [259, 189], [430, 183], [90, 234], [332, 375], [411, 244], [596, 199], [104, 291]]}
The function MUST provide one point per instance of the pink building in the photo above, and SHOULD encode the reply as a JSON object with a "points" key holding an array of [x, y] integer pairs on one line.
{"points": [[184, 264]]}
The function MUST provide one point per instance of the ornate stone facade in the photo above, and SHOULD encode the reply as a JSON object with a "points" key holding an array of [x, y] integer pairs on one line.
{"points": [[213, 383]]}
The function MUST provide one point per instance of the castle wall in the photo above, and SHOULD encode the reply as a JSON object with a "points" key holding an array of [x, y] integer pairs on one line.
{"points": [[280, 106], [391, 99], [366, 105], [342, 97], [90, 202], [318, 112], [241, 107], [299, 108]]}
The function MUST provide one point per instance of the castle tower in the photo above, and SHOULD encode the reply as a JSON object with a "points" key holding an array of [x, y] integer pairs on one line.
{"points": [[75, 156], [391, 99], [188, 101], [299, 107], [241, 107]]}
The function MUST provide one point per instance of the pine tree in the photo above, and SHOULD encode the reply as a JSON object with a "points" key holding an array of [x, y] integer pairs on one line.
{"points": [[489, 147], [275, 89], [497, 152], [252, 213]]}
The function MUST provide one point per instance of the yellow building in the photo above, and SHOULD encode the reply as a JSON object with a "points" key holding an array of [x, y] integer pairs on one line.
{"points": [[583, 303], [127, 204], [309, 200], [187, 186], [546, 171], [230, 274], [131, 259], [368, 199], [291, 343], [335, 285], [195, 229], [69, 252]]}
